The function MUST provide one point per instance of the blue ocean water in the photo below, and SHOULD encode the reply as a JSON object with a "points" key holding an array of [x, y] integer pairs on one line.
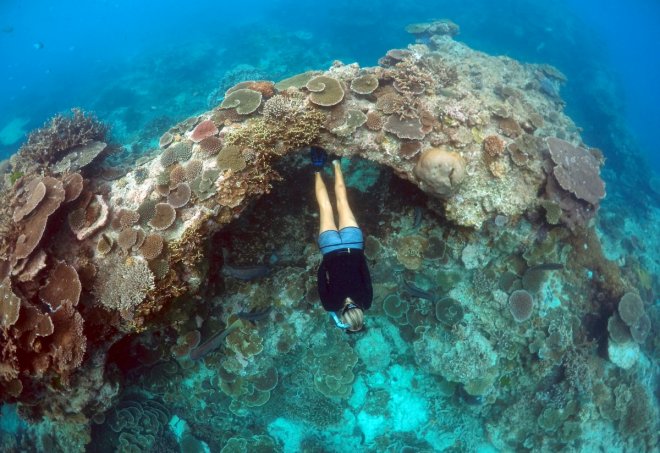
{"points": [[141, 67], [135, 64]]}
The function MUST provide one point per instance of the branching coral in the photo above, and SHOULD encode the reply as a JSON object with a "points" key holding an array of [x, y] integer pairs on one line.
{"points": [[124, 284], [54, 140]]}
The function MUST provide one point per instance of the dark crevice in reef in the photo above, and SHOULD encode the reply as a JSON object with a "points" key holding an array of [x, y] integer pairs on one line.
{"points": [[278, 226]]}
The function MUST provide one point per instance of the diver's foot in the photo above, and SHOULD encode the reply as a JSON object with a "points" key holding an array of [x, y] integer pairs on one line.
{"points": [[318, 157]]}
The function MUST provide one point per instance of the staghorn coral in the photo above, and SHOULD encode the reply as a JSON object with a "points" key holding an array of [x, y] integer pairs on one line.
{"points": [[411, 77]]}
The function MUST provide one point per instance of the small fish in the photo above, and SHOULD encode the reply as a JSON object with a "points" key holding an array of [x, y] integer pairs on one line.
{"points": [[38, 45], [547, 267], [253, 316], [417, 292], [7, 29], [245, 273], [418, 218]]}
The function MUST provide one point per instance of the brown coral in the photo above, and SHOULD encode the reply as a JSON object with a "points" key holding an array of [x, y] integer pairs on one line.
{"points": [[210, 146], [326, 91], [440, 171], [152, 246], [67, 342], [10, 306], [177, 175], [34, 192], [127, 238], [63, 285], [193, 169], [164, 216], [364, 84], [493, 147], [374, 121], [410, 128], [73, 186], [179, 196], [34, 226]]}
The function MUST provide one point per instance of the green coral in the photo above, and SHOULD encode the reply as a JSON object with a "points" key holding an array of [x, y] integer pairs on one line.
{"points": [[229, 158], [326, 91], [244, 100], [354, 119], [296, 81], [364, 84]]}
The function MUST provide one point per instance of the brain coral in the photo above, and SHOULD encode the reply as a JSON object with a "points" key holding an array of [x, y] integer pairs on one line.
{"points": [[440, 171], [326, 91]]}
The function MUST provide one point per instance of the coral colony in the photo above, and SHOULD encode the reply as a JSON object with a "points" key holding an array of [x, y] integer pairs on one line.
{"points": [[498, 324]]}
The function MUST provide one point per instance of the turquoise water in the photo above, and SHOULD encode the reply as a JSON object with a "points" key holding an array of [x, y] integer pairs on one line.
{"points": [[442, 365]]}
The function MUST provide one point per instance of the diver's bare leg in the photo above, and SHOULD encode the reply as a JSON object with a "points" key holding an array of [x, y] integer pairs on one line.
{"points": [[326, 217], [346, 217]]}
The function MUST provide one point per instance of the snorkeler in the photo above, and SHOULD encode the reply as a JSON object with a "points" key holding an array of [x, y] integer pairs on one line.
{"points": [[344, 283]]}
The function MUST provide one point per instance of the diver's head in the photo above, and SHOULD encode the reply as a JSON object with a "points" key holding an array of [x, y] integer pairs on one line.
{"points": [[352, 315]]}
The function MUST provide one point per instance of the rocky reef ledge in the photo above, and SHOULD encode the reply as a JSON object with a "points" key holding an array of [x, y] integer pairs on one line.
{"points": [[97, 257]]}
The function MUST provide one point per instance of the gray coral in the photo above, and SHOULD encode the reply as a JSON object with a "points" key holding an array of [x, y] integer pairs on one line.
{"points": [[123, 284]]}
